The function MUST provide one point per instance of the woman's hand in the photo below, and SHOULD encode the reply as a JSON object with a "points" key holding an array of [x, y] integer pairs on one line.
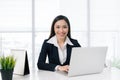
{"points": [[63, 68]]}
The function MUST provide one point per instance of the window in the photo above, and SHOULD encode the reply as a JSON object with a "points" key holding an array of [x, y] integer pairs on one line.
{"points": [[16, 27], [105, 26]]}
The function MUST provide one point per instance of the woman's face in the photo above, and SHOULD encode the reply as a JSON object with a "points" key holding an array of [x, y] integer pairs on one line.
{"points": [[61, 29]]}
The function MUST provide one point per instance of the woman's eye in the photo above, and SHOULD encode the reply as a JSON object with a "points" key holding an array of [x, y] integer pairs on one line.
{"points": [[65, 27], [57, 26]]}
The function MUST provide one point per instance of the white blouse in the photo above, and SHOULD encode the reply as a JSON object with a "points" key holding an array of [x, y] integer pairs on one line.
{"points": [[62, 51]]}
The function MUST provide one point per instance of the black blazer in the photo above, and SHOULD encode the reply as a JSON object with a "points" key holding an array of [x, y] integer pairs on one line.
{"points": [[53, 56]]}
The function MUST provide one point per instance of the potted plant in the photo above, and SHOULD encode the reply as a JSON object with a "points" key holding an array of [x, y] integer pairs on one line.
{"points": [[7, 66]]}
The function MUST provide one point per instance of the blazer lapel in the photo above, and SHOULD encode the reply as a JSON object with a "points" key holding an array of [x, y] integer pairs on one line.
{"points": [[68, 54], [55, 49]]}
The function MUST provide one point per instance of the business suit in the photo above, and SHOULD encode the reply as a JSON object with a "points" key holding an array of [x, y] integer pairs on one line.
{"points": [[53, 57]]}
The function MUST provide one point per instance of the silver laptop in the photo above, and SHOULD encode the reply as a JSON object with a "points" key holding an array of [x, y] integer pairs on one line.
{"points": [[87, 60]]}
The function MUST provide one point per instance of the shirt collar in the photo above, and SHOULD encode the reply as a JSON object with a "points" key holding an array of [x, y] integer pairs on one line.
{"points": [[53, 40]]}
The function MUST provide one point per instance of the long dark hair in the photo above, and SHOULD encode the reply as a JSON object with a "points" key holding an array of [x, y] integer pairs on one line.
{"points": [[60, 17]]}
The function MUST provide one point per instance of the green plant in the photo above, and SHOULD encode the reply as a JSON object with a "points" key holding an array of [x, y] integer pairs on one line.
{"points": [[7, 62], [116, 63]]}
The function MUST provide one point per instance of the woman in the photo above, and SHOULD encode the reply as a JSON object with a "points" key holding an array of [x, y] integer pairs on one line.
{"points": [[57, 47]]}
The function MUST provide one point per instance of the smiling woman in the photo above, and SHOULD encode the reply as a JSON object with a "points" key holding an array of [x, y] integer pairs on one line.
{"points": [[58, 46], [75, 10]]}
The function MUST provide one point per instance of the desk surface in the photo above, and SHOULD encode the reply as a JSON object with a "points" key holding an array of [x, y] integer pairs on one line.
{"points": [[107, 74]]}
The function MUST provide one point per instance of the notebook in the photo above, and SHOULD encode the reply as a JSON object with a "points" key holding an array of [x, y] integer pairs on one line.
{"points": [[22, 64], [87, 60]]}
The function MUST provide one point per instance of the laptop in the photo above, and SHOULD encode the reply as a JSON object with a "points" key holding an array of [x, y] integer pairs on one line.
{"points": [[87, 60]]}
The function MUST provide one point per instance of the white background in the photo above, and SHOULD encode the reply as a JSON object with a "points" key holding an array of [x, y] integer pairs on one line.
{"points": [[99, 17]]}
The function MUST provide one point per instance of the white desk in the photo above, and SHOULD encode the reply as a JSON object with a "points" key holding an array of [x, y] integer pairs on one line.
{"points": [[107, 74]]}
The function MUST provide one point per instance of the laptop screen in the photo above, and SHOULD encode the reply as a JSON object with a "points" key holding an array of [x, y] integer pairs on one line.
{"points": [[87, 60]]}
